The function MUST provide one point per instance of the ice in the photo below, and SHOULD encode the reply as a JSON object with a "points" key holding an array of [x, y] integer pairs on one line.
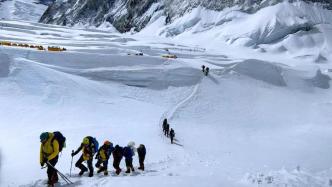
{"points": [[320, 80], [261, 70]]}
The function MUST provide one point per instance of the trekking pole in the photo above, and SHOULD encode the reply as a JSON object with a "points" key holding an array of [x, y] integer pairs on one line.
{"points": [[61, 175], [71, 164]]}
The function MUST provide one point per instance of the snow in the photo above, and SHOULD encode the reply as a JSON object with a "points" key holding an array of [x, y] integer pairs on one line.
{"points": [[261, 118], [261, 70], [106, 26], [298, 29], [21, 10]]}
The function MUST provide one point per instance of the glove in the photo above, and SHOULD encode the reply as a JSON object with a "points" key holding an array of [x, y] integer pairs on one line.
{"points": [[72, 154], [42, 164]]}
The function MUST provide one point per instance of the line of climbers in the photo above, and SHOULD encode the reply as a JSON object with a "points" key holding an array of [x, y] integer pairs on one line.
{"points": [[205, 70], [53, 143], [167, 132]]}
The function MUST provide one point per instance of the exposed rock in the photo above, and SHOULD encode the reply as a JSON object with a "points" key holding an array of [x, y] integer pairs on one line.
{"points": [[126, 15]]}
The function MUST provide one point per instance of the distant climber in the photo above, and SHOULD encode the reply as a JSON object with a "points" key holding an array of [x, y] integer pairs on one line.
{"points": [[167, 130], [141, 151], [117, 157], [203, 68], [128, 153], [64, 23], [164, 125], [172, 135], [51, 146], [103, 156], [207, 71], [168, 19], [89, 147]]}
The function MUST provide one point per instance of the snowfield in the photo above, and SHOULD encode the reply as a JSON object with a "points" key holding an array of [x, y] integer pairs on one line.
{"points": [[27, 10], [301, 30], [261, 118]]}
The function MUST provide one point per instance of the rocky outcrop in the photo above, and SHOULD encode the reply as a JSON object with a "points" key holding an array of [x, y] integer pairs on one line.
{"points": [[126, 15], [123, 14]]}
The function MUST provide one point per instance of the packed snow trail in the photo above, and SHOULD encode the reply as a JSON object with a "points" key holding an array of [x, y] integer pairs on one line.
{"points": [[169, 114]]}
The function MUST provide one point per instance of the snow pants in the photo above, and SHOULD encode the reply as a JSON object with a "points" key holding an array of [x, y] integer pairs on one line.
{"points": [[116, 164], [51, 172], [80, 165], [141, 162], [103, 163], [172, 139], [129, 164]]}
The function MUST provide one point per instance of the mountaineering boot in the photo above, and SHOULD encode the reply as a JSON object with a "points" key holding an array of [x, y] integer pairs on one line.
{"points": [[54, 179], [90, 174], [128, 170], [118, 171], [50, 183], [82, 171], [101, 169], [106, 173]]}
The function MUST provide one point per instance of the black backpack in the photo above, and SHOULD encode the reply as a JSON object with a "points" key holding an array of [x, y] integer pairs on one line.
{"points": [[61, 139]]}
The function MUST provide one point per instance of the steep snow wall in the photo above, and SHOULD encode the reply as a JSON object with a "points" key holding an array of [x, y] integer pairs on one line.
{"points": [[4, 65], [261, 70], [279, 75], [320, 80]]}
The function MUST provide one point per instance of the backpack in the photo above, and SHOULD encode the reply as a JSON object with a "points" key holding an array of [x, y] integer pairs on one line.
{"points": [[172, 133], [111, 149], [127, 152], [95, 143], [61, 140], [141, 150], [118, 151]]}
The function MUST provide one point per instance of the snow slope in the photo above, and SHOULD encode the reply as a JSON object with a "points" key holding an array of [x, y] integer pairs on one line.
{"points": [[300, 30], [257, 120], [27, 10]]}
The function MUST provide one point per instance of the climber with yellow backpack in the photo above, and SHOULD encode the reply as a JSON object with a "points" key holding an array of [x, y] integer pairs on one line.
{"points": [[89, 147], [51, 145]]}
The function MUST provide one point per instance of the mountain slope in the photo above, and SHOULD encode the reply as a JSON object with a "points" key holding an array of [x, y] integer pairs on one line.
{"points": [[30, 10], [256, 120], [133, 14]]}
